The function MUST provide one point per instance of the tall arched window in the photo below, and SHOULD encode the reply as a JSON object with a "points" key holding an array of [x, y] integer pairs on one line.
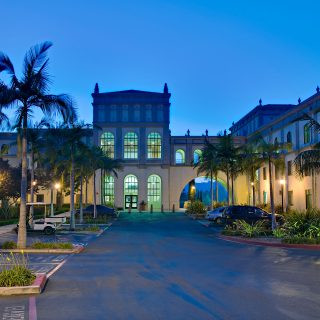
{"points": [[154, 191], [180, 156], [107, 143], [306, 133], [130, 146], [154, 145], [196, 156], [289, 137], [108, 190], [130, 190]]}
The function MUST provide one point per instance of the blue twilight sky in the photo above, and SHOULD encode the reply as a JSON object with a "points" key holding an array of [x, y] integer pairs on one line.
{"points": [[218, 57]]}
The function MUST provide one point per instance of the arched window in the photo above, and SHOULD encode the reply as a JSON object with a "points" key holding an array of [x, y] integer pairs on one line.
{"points": [[107, 143], [130, 192], [154, 191], [154, 145], [4, 149], [130, 146], [306, 133], [289, 137], [108, 190], [276, 141], [196, 156], [180, 156]]}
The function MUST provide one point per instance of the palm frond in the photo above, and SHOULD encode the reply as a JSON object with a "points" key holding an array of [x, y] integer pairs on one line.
{"points": [[6, 64], [307, 161]]}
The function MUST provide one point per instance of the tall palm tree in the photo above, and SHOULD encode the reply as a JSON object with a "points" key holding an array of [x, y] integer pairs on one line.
{"points": [[208, 164], [99, 160], [273, 155], [27, 94]]}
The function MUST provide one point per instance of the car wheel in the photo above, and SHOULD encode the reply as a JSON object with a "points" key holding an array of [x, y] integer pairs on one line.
{"points": [[48, 231], [218, 220]]}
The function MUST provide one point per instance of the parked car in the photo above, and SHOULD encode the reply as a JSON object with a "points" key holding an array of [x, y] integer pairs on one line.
{"points": [[215, 215], [46, 227], [101, 210], [249, 214]]}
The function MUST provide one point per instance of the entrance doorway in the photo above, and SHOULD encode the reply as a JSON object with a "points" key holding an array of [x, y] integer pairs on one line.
{"points": [[131, 202]]}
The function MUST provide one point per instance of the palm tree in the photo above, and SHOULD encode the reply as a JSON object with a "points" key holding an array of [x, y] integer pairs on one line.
{"points": [[99, 160], [26, 94], [273, 155], [208, 164]]}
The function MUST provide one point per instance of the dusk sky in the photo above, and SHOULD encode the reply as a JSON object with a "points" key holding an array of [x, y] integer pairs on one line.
{"points": [[218, 57]]}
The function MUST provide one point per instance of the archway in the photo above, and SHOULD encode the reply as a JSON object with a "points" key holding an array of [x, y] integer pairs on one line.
{"points": [[199, 189]]}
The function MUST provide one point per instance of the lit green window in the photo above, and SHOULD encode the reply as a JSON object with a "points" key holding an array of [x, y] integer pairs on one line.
{"points": [[180, 156], [154, 191], [196, 156], [131, 146], [130, 185], [154, 146], [108, 190], [306, 133], [107, 143]]}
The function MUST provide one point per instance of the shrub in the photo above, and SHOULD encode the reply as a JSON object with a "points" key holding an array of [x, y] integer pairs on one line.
{"points": [[52, 245], [9, 245], [250, 230], [230, 232], [301, 240], [217, 204], [196, 207], [279, 233], [93, 228]]}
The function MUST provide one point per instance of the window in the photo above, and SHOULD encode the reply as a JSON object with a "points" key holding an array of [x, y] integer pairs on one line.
{"points": [[180, 156], [108, 190], [131, 146], [136, 114], [40, 197], [130, 185], [196, 156], [277, 173], [154, 145], [290, 198], [148, 114], [289, 166], [113, 114], [125, 114], [289, 137], [265, 197], [308, 199], [154, 191], [4, 149], [160, 114], [264, 173], [276, 141], [306, 133], [107, 143]]}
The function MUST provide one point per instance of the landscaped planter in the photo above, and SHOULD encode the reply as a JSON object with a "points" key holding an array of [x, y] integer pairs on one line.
{"points": [[76, 249], [269, 243], [35, 288]]}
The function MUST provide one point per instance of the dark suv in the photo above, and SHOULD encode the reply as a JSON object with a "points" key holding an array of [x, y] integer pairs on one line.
{"points": [[249, 214]]}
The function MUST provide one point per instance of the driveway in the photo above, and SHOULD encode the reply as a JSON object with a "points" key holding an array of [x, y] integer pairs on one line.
{"points": [[166, 266]]}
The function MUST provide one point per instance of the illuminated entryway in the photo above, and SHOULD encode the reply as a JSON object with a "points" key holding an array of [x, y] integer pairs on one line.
{"points": [[199, 189], [130, 192], [154, 191]]}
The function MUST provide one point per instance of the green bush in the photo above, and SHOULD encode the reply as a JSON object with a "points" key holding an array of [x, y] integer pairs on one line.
{"points": [[9, 245], [250, 230], [230, 232], [16, 276], [52, 245], [279, 233], [217, 204], [196, 207], [301, 240], [93, 228]]}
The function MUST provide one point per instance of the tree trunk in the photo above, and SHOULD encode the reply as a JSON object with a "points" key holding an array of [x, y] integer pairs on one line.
{"points": [[228, 187], [86, 200], [253, 195], [22, 232], [31, 212], [81, 206], [211, 190], [72, 213], [232, 189], [94, 196], [217, 191], [51, 202], [274, 224]]}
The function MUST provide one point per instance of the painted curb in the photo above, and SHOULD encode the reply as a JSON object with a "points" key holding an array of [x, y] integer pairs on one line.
{"points": [[76, 249], [269, 244], [36, 288]]}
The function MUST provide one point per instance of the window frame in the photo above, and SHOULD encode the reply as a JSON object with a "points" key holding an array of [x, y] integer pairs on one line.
{"points": [[154, 141], [183, 156], [131, 146], [107, 143]]}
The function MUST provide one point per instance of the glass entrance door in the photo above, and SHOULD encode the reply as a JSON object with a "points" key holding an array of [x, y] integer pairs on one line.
{"points": [[131, 201]]}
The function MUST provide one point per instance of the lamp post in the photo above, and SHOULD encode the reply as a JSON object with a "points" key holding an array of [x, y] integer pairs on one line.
{"points": [[282, 183], [57, 187], [253, 194]]}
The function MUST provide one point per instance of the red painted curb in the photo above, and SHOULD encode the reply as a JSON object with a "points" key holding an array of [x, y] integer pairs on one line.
{"points": [[268, 244], [40, 281]]}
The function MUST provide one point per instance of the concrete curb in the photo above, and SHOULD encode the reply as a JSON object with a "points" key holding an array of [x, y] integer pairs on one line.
{"points": [[36, 288], [76, 249], [269, 244]]}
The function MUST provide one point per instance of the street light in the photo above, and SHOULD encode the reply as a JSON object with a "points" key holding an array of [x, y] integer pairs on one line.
{"points": [[57, 186], [253, 194], [34, 182], [282, 183]]}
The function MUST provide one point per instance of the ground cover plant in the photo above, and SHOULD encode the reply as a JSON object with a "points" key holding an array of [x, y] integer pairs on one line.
{"points": [[52, 245]]}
